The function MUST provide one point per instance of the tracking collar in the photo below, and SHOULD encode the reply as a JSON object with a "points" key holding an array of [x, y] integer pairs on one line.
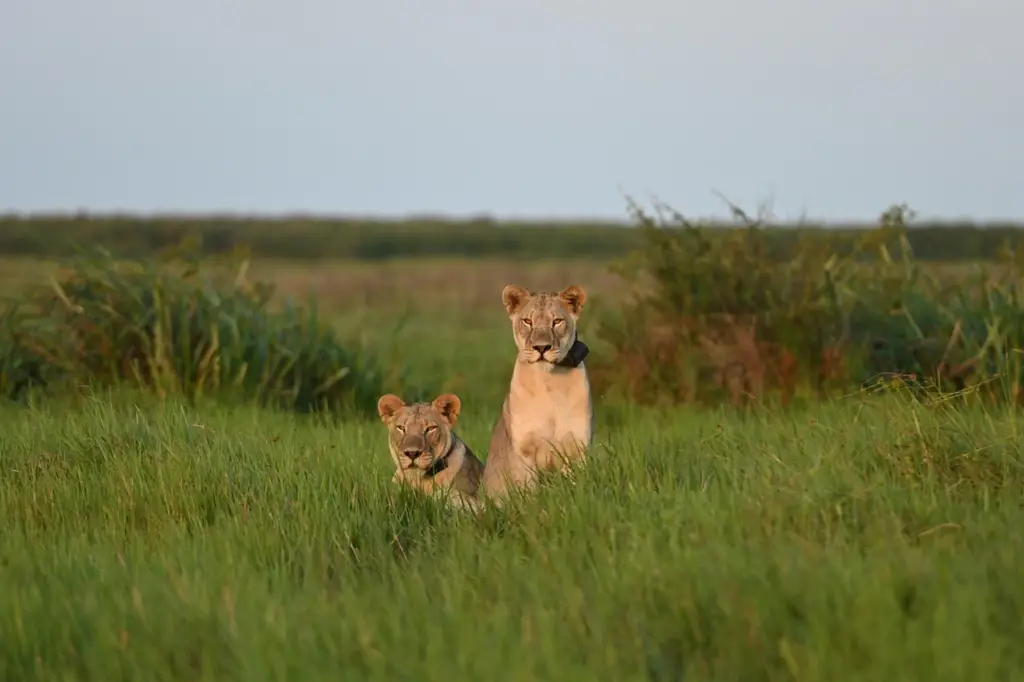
{"points": [[437, 466], [577, 352]]}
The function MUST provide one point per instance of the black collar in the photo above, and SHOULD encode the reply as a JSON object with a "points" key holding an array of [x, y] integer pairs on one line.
{"points": [[437, 466], [575, 356]]}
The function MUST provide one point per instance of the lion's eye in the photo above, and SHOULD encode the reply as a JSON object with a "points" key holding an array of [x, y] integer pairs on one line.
{"points": [[528, 323], [559, 321], [399, 428], [431, 429]]}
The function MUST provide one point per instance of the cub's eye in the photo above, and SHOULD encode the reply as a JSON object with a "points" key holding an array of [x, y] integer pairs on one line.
{"points": [[528, 323], [559, 322]]}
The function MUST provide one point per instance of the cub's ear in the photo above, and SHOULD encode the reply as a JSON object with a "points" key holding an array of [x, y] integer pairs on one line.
{"points": [[449, 406], [574, 297], [514, 297], [388, 405]]}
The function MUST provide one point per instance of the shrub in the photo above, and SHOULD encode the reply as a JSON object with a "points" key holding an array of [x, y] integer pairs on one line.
{"points": [[720, 317], [21, 369], [176, 325]]}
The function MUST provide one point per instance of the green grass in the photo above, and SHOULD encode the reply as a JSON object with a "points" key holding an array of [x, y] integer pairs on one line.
{"points": [[867, 538], [870, 539]]}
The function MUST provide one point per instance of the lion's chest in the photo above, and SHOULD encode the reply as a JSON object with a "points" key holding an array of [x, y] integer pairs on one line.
{"points": [[552, 412]]}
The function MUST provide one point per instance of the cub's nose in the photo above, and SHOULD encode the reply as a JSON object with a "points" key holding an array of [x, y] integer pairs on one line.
{"points": [[412, 454], [542, 349]]}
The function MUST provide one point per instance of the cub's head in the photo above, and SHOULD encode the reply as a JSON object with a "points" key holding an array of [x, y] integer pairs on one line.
{"points": [[543, 324], [421, 433]]}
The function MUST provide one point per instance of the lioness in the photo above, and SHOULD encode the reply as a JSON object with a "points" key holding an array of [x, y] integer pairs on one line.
{"points": [[547, 421], [427, 452]]}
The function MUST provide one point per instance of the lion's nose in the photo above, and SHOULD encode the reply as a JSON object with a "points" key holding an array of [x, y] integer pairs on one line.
{"points": [[542, 349], [412, 453]]}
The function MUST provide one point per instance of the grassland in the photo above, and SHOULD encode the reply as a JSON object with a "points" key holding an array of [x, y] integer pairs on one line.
{"points": [[864, 540], [865, 537], [316, 238]]}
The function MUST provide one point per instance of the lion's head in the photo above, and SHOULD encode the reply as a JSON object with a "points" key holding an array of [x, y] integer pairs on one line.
{"points": [[419, 434], [544, 324]]}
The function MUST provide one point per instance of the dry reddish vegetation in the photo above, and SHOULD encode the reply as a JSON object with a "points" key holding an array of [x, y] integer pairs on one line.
{"points": [[468, 283], [346, 285], [714, 318]]}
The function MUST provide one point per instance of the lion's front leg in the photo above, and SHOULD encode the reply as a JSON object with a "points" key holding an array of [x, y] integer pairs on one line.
{"points": [[573, 449], [465, 503]]}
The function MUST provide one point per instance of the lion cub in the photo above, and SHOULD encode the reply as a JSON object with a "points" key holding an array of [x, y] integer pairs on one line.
{"points": [[428, 454], [547, 421]]}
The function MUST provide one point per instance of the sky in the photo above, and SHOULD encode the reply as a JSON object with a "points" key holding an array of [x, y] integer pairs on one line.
{"points": [[527, 108]]}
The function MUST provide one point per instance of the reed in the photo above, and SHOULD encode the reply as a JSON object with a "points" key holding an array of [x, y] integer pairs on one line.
{"points": [[177, 324]]}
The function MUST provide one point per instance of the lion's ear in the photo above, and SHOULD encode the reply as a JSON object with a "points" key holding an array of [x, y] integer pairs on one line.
{"points": [[449, 406], [574, 297], [388, 405], [514, 297]]}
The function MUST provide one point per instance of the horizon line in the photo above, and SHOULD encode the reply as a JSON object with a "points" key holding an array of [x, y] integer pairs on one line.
{"points": [[452, 217]]}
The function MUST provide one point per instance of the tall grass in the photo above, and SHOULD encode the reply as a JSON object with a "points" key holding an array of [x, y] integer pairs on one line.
{"points": [[176, 326], [872, 539]]}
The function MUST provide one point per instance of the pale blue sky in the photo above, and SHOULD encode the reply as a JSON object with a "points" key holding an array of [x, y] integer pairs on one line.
{"points": [[835, 108]]}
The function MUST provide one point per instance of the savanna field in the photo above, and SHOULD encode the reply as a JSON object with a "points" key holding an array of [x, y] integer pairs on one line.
{"points": [[807, 466]]}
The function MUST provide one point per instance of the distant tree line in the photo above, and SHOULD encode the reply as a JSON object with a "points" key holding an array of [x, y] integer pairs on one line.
{"points": [[370, 239]]}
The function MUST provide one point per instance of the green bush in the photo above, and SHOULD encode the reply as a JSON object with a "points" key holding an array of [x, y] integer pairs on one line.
{"points": [[21, 368], [174, 326], [721, 317]]}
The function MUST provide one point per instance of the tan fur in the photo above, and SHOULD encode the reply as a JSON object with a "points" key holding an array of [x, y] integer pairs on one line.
{"points": [[547, 421], [426, 430]]}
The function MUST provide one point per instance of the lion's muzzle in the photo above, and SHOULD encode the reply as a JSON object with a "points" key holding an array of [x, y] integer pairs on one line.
{"points": [[412, 454]]}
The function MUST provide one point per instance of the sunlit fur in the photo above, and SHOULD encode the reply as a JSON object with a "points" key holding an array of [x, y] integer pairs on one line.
{"points": [[547, 420]]}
